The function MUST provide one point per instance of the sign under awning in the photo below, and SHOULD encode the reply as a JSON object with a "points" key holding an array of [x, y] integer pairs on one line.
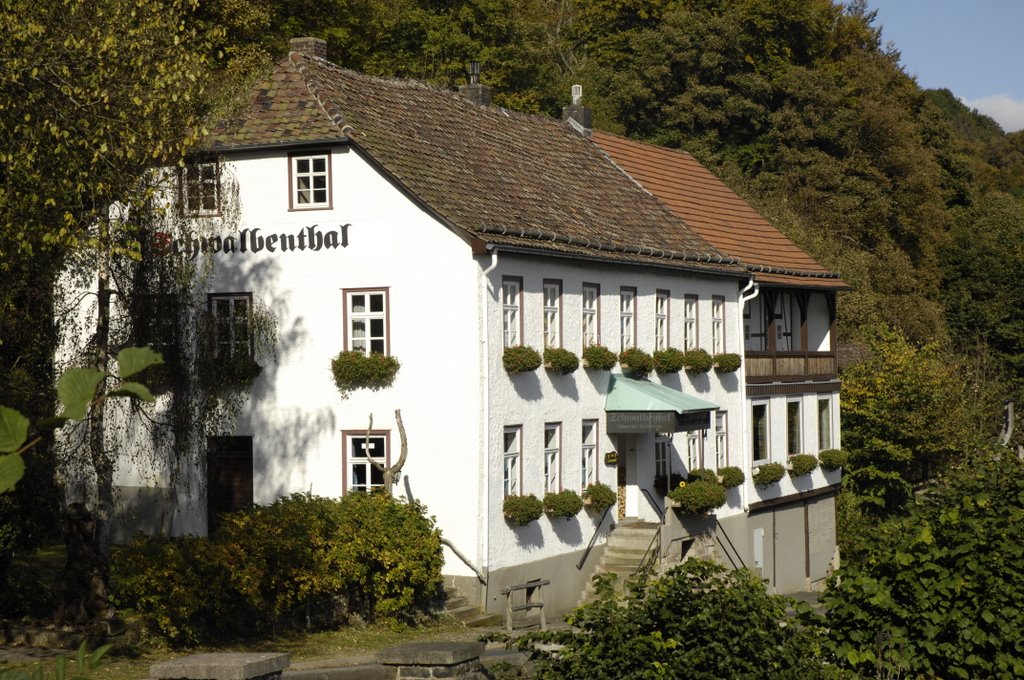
{"points": [[643, 406]]}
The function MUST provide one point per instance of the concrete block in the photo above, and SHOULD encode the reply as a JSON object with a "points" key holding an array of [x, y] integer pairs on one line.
{"points": [[221, 666]]}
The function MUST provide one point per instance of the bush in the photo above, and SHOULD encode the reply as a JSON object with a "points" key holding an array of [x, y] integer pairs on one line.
{"points": [[663, 485], [599, 358], [565, 503], [302, 562], [696, 361], [832, 459], [600, 496], [802, 464], [560, 360], [731, 476], [520, 359], [355, 370], [699, 497], [668, 360], [637, 361], [704, 474], [727, 362], [521, 510], [768, 473]]}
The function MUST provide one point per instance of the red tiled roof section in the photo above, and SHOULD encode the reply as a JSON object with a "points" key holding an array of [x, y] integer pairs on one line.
{"points": [[504, 178], [716, 212]]}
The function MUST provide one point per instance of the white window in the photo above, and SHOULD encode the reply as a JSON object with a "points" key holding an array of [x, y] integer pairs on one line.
{"points": [[588, 321], [690, 322], [662, 448], [759, 431], [310, 181], [693, 452], [787, 323], [200, 189], [552, 457], [721, 440], [824, 424], [793, 427], [362, 453], [627, 317], [510, 459], [552, 314], [588, 454], [511, 305], [717, 324], [661, 299], [367, 321], [231, 315], [754, 334]]}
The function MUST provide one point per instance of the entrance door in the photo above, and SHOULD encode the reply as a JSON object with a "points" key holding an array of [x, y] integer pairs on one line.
{"points": [[228, 476]]}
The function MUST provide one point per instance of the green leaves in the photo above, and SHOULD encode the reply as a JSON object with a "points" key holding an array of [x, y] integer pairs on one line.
{"points": [[131, 360], [76, 388], [12, 467], [13, 430]]}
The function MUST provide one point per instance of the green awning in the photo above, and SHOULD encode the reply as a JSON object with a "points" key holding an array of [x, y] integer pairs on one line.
{"points": [[627, 394]]}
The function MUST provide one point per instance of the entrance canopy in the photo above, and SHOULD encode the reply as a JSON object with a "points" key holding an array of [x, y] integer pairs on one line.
{"points": [[642, 406]]}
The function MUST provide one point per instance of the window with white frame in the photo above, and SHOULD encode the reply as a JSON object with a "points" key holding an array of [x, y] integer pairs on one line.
{"points": [[310, 181], [787, 317], [793, 427], [662, 449], [589, 317], [365, 460], [200, 189], [552, 314], [552, 457], [759, 431], [661, 321], [231, 317], [824, 424], [690, 322], [717, 324], [627, 318], [721, 440], [588, 454], [755, 336], [366, 321], [511, 310], [694, 460], [512, 452]]}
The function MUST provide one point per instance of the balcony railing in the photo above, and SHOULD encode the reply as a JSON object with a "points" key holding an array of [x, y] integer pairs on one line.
{"points": [[766, 367]]}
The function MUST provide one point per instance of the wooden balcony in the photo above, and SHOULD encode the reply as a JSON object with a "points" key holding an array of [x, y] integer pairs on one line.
{"points": [[769, 367]]}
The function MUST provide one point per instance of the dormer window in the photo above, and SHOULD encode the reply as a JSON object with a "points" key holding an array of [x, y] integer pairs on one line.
{"points": [[310, 181], [199, 183]]}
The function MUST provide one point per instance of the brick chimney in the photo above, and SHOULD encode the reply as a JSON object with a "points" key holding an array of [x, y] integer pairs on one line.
{"points": [[578, 115], [311, 47], [474, 90]]}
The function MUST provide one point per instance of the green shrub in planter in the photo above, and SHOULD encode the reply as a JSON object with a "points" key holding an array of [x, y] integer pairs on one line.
{"points": [[599, 358], [520, 359], [599, 497], [731, 476], [702, 474], [832, 459], [802, 464], [355, 370], [565, 503], [699, 497], [697, 361], [637, 361], [726, 363], [663, 485], [522, 510], [560, 360], [769, 473], [668, 360]]}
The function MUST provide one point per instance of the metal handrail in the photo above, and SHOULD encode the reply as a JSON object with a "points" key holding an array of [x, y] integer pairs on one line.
{"points": [[652, 553], [661, 515], [593, 539], [731, 545], [479, 574]]}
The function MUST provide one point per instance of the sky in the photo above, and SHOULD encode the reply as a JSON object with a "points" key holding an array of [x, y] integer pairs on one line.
{"points": [[973, 48]]}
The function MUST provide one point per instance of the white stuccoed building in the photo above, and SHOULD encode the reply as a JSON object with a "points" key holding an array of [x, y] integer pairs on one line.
{"points": [[394, 217]]}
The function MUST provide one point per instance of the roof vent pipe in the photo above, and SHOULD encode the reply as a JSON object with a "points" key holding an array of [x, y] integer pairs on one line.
{"points": [[474, 91], [578, 115]]}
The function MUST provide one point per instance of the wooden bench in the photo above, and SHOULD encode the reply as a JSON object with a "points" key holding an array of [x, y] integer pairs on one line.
{"points": [[534, 591]]}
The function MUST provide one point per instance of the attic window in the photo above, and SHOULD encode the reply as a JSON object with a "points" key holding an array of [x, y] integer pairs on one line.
{"points": [[200, 189], [310, 181]]}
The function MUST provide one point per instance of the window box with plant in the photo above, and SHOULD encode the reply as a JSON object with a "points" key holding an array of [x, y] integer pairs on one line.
{"points": [[353, 370], [663, 484], [668, 360], [565, 503], [731, 476], [521, 510], [697, 361], [520, 359], [832, 459], [698, 497], [727, 362], [599, 497], [768, 473], [802, 464], [637, 362], [560, 360], [599, 358]]}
